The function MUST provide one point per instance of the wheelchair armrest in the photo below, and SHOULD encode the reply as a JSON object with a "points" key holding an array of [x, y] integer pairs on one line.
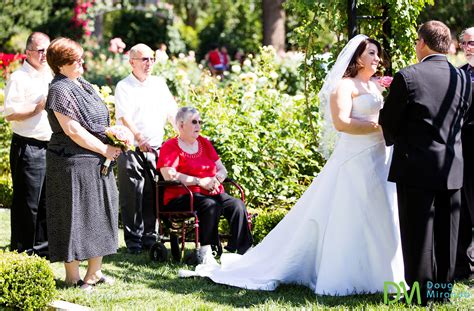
{"points": [[235, 184], [165, 183], [173, 183]]}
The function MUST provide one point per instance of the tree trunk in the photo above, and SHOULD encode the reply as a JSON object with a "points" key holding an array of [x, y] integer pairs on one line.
{"points": [[99, 27], [274, 24]]}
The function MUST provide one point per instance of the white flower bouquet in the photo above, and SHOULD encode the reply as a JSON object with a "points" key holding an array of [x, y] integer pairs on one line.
{"points": [[118, 136]]}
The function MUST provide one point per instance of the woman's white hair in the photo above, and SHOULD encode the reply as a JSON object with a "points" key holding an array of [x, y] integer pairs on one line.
{"points": [[183, 114]]}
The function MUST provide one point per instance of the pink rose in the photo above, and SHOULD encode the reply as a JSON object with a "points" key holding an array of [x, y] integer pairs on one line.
{"points": [[385, 81]]}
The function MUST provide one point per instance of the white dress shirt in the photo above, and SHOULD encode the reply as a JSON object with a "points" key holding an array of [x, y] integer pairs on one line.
{"points": [[26, 86], [147, 104]]}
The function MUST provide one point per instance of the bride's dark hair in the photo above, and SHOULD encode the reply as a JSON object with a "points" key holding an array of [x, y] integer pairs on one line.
{"points": [[354, 66]]}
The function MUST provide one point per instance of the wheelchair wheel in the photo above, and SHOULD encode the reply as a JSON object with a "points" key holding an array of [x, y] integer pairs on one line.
{"points": [[158, 252], [191, 258], [175, 247]]}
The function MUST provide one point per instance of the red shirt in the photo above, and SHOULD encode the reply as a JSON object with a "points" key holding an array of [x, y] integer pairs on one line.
{"points": [[200, 164], [214, 58]]}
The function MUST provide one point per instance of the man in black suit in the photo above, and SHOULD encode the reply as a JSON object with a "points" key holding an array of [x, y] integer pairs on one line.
{"points": [[422, 117], [465, 253]]}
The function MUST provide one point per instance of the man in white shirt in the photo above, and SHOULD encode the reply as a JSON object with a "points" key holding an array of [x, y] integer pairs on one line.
{"points": [[25, 98], [143, 103]]}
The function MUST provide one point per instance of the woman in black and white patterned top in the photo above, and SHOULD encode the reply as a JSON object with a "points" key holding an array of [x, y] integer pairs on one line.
{"points": [[82, 205]]}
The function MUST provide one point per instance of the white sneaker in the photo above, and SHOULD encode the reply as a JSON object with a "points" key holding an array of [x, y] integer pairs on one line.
{"points": [[205, 257]]}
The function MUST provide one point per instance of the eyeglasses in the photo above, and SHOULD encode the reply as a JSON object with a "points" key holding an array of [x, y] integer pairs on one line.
{"points": [[197, 121], [79, 61], [40, 51], [468, 44], [146, 59]]}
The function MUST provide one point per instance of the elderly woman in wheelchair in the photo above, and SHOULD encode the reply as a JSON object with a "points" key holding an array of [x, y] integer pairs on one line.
{"points": [[192, 160]]}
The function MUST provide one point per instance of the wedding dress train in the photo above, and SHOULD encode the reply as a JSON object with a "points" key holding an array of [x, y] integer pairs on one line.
{"points": [[342, 236]]}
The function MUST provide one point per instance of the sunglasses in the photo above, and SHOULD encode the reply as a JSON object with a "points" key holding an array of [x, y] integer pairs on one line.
{"points": [[146, 59], [197, 121], [468, 43], [40, 51]]}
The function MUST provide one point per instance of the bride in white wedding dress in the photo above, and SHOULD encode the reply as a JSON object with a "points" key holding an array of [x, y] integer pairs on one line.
{"points": [[342, 236]]}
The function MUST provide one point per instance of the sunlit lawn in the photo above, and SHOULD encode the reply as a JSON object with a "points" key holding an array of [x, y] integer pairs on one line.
{"points": [[143, 284]]}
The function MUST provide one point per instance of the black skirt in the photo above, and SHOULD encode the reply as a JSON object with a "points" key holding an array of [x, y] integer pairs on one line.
{"points": [[82, 205]]}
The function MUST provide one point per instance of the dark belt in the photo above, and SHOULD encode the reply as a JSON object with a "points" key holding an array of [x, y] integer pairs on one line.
{"points": [[29, 140]]}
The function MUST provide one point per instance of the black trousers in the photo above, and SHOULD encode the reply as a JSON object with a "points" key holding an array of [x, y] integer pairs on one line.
{"points": [[137, 199], [429, 224], [209, 210], [465, 251], [28, 211]]}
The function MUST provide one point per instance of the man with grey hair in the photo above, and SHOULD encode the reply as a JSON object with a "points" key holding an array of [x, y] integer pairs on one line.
{"points": [[465, 252], [25, 99], [143, 103]]}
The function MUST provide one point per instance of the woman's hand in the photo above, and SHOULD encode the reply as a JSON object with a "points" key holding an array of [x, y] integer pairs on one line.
{"points": [[144, 145], [211, 184], [111, 152]]}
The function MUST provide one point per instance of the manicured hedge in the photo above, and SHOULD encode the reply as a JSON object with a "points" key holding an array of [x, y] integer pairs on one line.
{"points": [[26, 282]]}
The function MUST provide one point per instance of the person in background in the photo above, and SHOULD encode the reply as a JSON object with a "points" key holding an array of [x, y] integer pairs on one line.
{"points": [[143, 103], [239, 56], [82, 204], [224, 57], [25, 98], [214, 60], [465, 251], [160, 54]]}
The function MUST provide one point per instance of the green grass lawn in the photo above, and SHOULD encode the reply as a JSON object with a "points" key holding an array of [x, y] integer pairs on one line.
{"points": [[145, 285]]}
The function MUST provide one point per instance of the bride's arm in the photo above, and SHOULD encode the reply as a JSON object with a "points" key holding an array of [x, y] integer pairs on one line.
{"points": [[341, 105]]}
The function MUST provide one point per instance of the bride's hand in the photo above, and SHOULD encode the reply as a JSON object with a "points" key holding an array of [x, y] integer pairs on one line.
{"points": [[375, 126]]}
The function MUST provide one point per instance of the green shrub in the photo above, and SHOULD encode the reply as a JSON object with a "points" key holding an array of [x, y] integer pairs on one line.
{"points": [[26, 282], [265, 221], [233, 23], [6, 191]]}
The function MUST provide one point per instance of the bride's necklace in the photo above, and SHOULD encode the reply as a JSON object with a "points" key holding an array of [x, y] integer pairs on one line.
{"points": [[188, 148]]}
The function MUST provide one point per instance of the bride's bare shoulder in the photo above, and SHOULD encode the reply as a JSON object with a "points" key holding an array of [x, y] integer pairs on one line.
{"points": [[345, 84]]}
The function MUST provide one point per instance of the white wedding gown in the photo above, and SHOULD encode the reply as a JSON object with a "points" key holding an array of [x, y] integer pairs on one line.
{"points": [[342, 236]]}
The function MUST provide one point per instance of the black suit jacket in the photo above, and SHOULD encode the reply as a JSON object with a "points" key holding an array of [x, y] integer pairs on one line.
{"points": [[422, 117]]}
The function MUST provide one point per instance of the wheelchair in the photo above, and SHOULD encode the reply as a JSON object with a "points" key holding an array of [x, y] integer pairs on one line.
{"points": [[179, 227]]}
